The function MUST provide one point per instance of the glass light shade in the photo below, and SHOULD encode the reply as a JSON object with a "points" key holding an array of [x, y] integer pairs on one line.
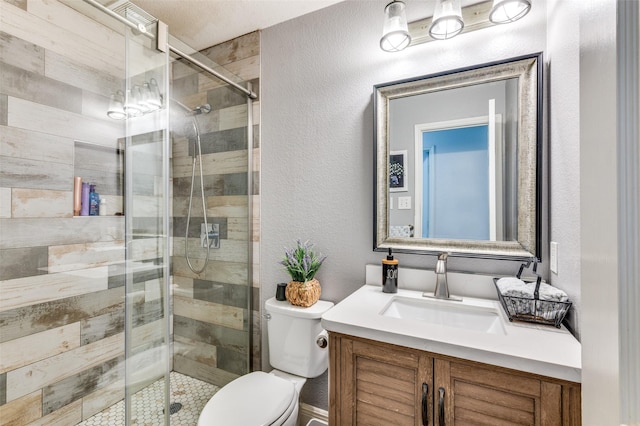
{"points": [[395, 33], [447, 20], [131, 107], [140, 99], [155, 99], [146, 98], [505, 11], [116, 110]]}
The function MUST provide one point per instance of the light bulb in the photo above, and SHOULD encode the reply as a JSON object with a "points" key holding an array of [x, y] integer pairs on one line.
{"points": [[506, 11], [447, 20]]}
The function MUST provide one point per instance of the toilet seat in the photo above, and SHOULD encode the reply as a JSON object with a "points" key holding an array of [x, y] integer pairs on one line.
{"points": [[255, 399]]}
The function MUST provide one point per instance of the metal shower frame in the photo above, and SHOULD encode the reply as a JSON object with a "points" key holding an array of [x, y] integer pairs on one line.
{"points": [[162, 44]]}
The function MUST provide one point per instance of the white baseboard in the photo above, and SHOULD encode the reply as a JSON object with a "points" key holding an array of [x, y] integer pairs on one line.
{"points": [[308, 412]]}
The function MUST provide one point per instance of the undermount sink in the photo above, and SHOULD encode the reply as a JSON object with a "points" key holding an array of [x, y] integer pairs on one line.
{"points": [[445, 313]]}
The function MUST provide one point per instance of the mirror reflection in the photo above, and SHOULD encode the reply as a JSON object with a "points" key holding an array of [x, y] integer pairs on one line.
{"points": [[457, 161], [452, 147]]}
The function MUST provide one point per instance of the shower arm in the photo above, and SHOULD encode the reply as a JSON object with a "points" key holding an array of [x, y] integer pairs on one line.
{"points": [[178, 52]]}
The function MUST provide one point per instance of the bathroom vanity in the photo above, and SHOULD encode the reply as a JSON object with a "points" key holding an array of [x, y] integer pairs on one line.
{"points": [[460, 362]]}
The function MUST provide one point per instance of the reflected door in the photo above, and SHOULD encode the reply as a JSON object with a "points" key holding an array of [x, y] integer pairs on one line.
{"points": [[457, 184], [459, 179]]}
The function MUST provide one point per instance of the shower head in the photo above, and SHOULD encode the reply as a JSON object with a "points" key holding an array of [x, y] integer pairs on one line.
{"points": [[189, 128]]}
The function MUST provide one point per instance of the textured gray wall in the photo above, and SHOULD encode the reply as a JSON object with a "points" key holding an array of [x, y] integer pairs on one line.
{"points": [[318, 73], [564, 148]]}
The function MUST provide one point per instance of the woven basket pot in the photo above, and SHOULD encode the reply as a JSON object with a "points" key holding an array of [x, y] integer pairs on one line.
{"points": [[303, 294]]}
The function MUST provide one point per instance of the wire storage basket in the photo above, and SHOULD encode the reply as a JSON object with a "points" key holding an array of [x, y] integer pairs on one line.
{"points": [[533, 310]]}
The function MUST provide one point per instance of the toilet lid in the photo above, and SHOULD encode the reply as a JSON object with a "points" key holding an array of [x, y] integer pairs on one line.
{"points": [[256, 399]]}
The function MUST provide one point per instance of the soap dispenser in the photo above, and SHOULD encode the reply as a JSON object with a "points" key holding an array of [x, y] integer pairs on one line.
{"points": [[390, 274]]}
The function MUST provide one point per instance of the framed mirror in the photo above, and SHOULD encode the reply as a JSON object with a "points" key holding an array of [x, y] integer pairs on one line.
{"points": [[457, 161]]}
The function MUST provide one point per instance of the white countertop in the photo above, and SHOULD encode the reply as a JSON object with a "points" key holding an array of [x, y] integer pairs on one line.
{"points": [[537, 349]]}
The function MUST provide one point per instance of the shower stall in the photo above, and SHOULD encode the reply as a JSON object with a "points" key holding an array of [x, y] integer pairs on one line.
{"points": [[114, 318]]}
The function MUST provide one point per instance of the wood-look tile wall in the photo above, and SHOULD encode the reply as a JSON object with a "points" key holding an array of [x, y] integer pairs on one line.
{"points": [[61, 277], [212, 322]]}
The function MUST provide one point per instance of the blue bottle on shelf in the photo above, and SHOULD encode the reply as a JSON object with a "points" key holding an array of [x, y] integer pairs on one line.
{"points": [[94, 201]]}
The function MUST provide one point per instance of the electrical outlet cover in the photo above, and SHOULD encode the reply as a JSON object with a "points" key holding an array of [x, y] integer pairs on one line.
{"points": [[404, 203]]}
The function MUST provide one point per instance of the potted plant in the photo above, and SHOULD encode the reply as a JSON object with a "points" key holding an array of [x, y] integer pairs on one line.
{"points": [[302, 264]]}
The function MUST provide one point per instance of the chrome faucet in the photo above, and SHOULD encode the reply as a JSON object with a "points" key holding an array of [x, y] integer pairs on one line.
{"points": [[442, 287]]}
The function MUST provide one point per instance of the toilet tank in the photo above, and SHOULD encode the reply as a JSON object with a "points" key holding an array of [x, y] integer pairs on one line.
{"points": [[292, 332]]}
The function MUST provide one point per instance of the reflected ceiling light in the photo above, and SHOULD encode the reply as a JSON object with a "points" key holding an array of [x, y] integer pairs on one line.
{"points": [[145, 98], [447, 20], [139, 100], [395, 33], [116, 110], [155, 99], [131, 107], [505, 11]]}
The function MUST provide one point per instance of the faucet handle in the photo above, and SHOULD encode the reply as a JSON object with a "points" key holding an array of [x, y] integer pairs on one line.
{"points": [[441, 264]]}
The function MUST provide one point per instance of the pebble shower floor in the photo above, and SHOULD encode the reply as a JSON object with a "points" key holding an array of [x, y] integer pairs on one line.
{"points": [[193, 394]]}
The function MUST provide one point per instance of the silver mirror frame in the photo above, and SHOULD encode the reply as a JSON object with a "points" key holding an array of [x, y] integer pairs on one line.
{"points": [[528, 71]]}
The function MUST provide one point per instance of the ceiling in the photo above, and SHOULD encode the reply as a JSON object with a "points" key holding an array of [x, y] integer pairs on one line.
{"points": [[205, 23]]}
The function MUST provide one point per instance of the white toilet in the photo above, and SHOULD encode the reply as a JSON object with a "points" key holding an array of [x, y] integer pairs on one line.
{"points": [[261, 399]]}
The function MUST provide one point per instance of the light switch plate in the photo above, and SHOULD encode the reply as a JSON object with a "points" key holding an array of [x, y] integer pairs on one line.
{"points": [[553, 257]]}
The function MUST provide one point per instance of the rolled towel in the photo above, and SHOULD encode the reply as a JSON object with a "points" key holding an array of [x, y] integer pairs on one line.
{"points": [[515, 287], [551, 293], [520, 302]]}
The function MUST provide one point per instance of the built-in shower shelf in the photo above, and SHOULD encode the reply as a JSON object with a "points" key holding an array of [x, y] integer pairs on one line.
{"points": [[97, 217]]}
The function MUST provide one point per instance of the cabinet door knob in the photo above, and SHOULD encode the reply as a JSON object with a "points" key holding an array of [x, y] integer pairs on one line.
{"points": [[425, 405], [441, 406]]}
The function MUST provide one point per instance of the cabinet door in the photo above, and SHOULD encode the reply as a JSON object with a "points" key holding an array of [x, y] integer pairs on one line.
{"points": [[483, 395], [378, 384]]}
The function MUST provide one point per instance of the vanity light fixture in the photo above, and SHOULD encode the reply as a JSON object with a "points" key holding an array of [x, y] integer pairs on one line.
{"points": [[139, 100], [450, 19], [395, 33], [505, 11], [447, 20]]}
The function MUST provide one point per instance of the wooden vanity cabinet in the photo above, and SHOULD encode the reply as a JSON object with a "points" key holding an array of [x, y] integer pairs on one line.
{"points": [[373, 383]]}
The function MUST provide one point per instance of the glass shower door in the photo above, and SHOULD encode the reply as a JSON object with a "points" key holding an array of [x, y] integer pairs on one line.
{"points": [[147, 308]]}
